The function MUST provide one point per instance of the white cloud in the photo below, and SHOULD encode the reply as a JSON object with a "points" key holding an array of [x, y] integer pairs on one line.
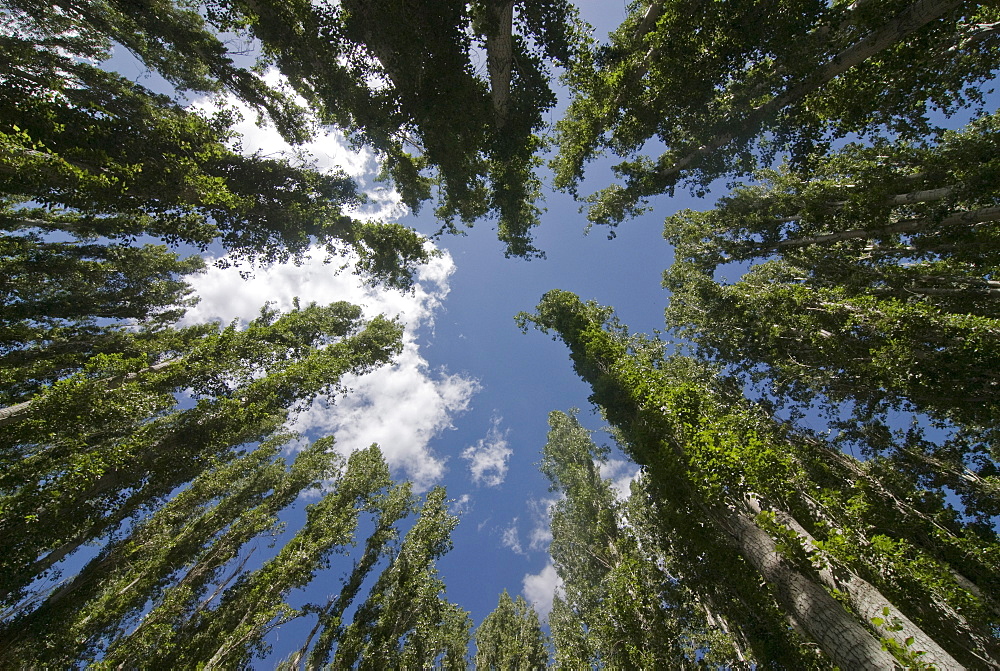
{"points": [[621, 473], [511, 540], [488, 457], [541, 512], [401, 407], [330, 150], [461, 505], [539, 588]]}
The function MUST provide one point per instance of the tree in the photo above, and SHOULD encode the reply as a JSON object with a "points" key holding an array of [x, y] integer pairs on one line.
{"points": [[66, 302], [875, 291], [87, 153], [191, 537], [627, 601], [432, 118], [83, 458], [725, 86], [174, 493], [406, 622], [430, 109], [172, 39], [510, 638], [721, 467], [186, 564]]}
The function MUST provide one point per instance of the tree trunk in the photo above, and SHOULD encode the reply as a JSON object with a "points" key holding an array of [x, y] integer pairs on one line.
{"points": [[844, 640], [868, 603], [906, 226], [500, 56]]}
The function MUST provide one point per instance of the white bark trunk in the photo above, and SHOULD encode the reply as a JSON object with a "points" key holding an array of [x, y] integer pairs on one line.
{"points": [[868, 602], [906, 226], [844, 640]]}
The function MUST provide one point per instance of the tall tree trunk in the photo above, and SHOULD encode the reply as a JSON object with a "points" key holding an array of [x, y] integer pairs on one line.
{"points": [[906, 226], [844, 640], [500, 56], [868, 602]]}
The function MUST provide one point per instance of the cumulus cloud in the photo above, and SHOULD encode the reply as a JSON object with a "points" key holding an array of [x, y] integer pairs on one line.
{"points": [[541, 513], [329, 151], [488, 457], [539, 589], [401, 407]]}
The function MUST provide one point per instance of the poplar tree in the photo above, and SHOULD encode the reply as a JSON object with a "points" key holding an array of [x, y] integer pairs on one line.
{"points": [[82, 458], [406, 622], [626, 600], [872, 291], [66, 302], [511, 638], [723, 87], [87, 153], [402, 79], [442, 126], [789, 508]]}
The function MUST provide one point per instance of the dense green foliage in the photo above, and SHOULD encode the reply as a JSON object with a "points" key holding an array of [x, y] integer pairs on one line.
{"points": [[722, 85], [399, 78], [511, 638], [626, 602], [730, 483], [87, 153], [874, 288]]}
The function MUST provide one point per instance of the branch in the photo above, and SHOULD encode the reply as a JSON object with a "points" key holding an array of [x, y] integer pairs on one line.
{"points": [[905, 226], [11, 413], [906, 22]]}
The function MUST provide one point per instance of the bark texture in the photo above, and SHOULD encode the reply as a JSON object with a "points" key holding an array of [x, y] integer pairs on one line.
{"points": [[844, 640]]}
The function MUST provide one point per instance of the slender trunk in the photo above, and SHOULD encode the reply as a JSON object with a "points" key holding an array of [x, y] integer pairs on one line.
{"points": [[906, 22], [925, 196], [649, 20], [500, 57], [71, 546], [868, 602], [906, 226], [647, 24], [972, 479], [719, 621], [842, 638]]}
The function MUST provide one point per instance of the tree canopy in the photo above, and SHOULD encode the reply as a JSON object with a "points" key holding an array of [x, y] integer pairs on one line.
{"points": [[724, 86], [838, 300], [731, 484]]}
